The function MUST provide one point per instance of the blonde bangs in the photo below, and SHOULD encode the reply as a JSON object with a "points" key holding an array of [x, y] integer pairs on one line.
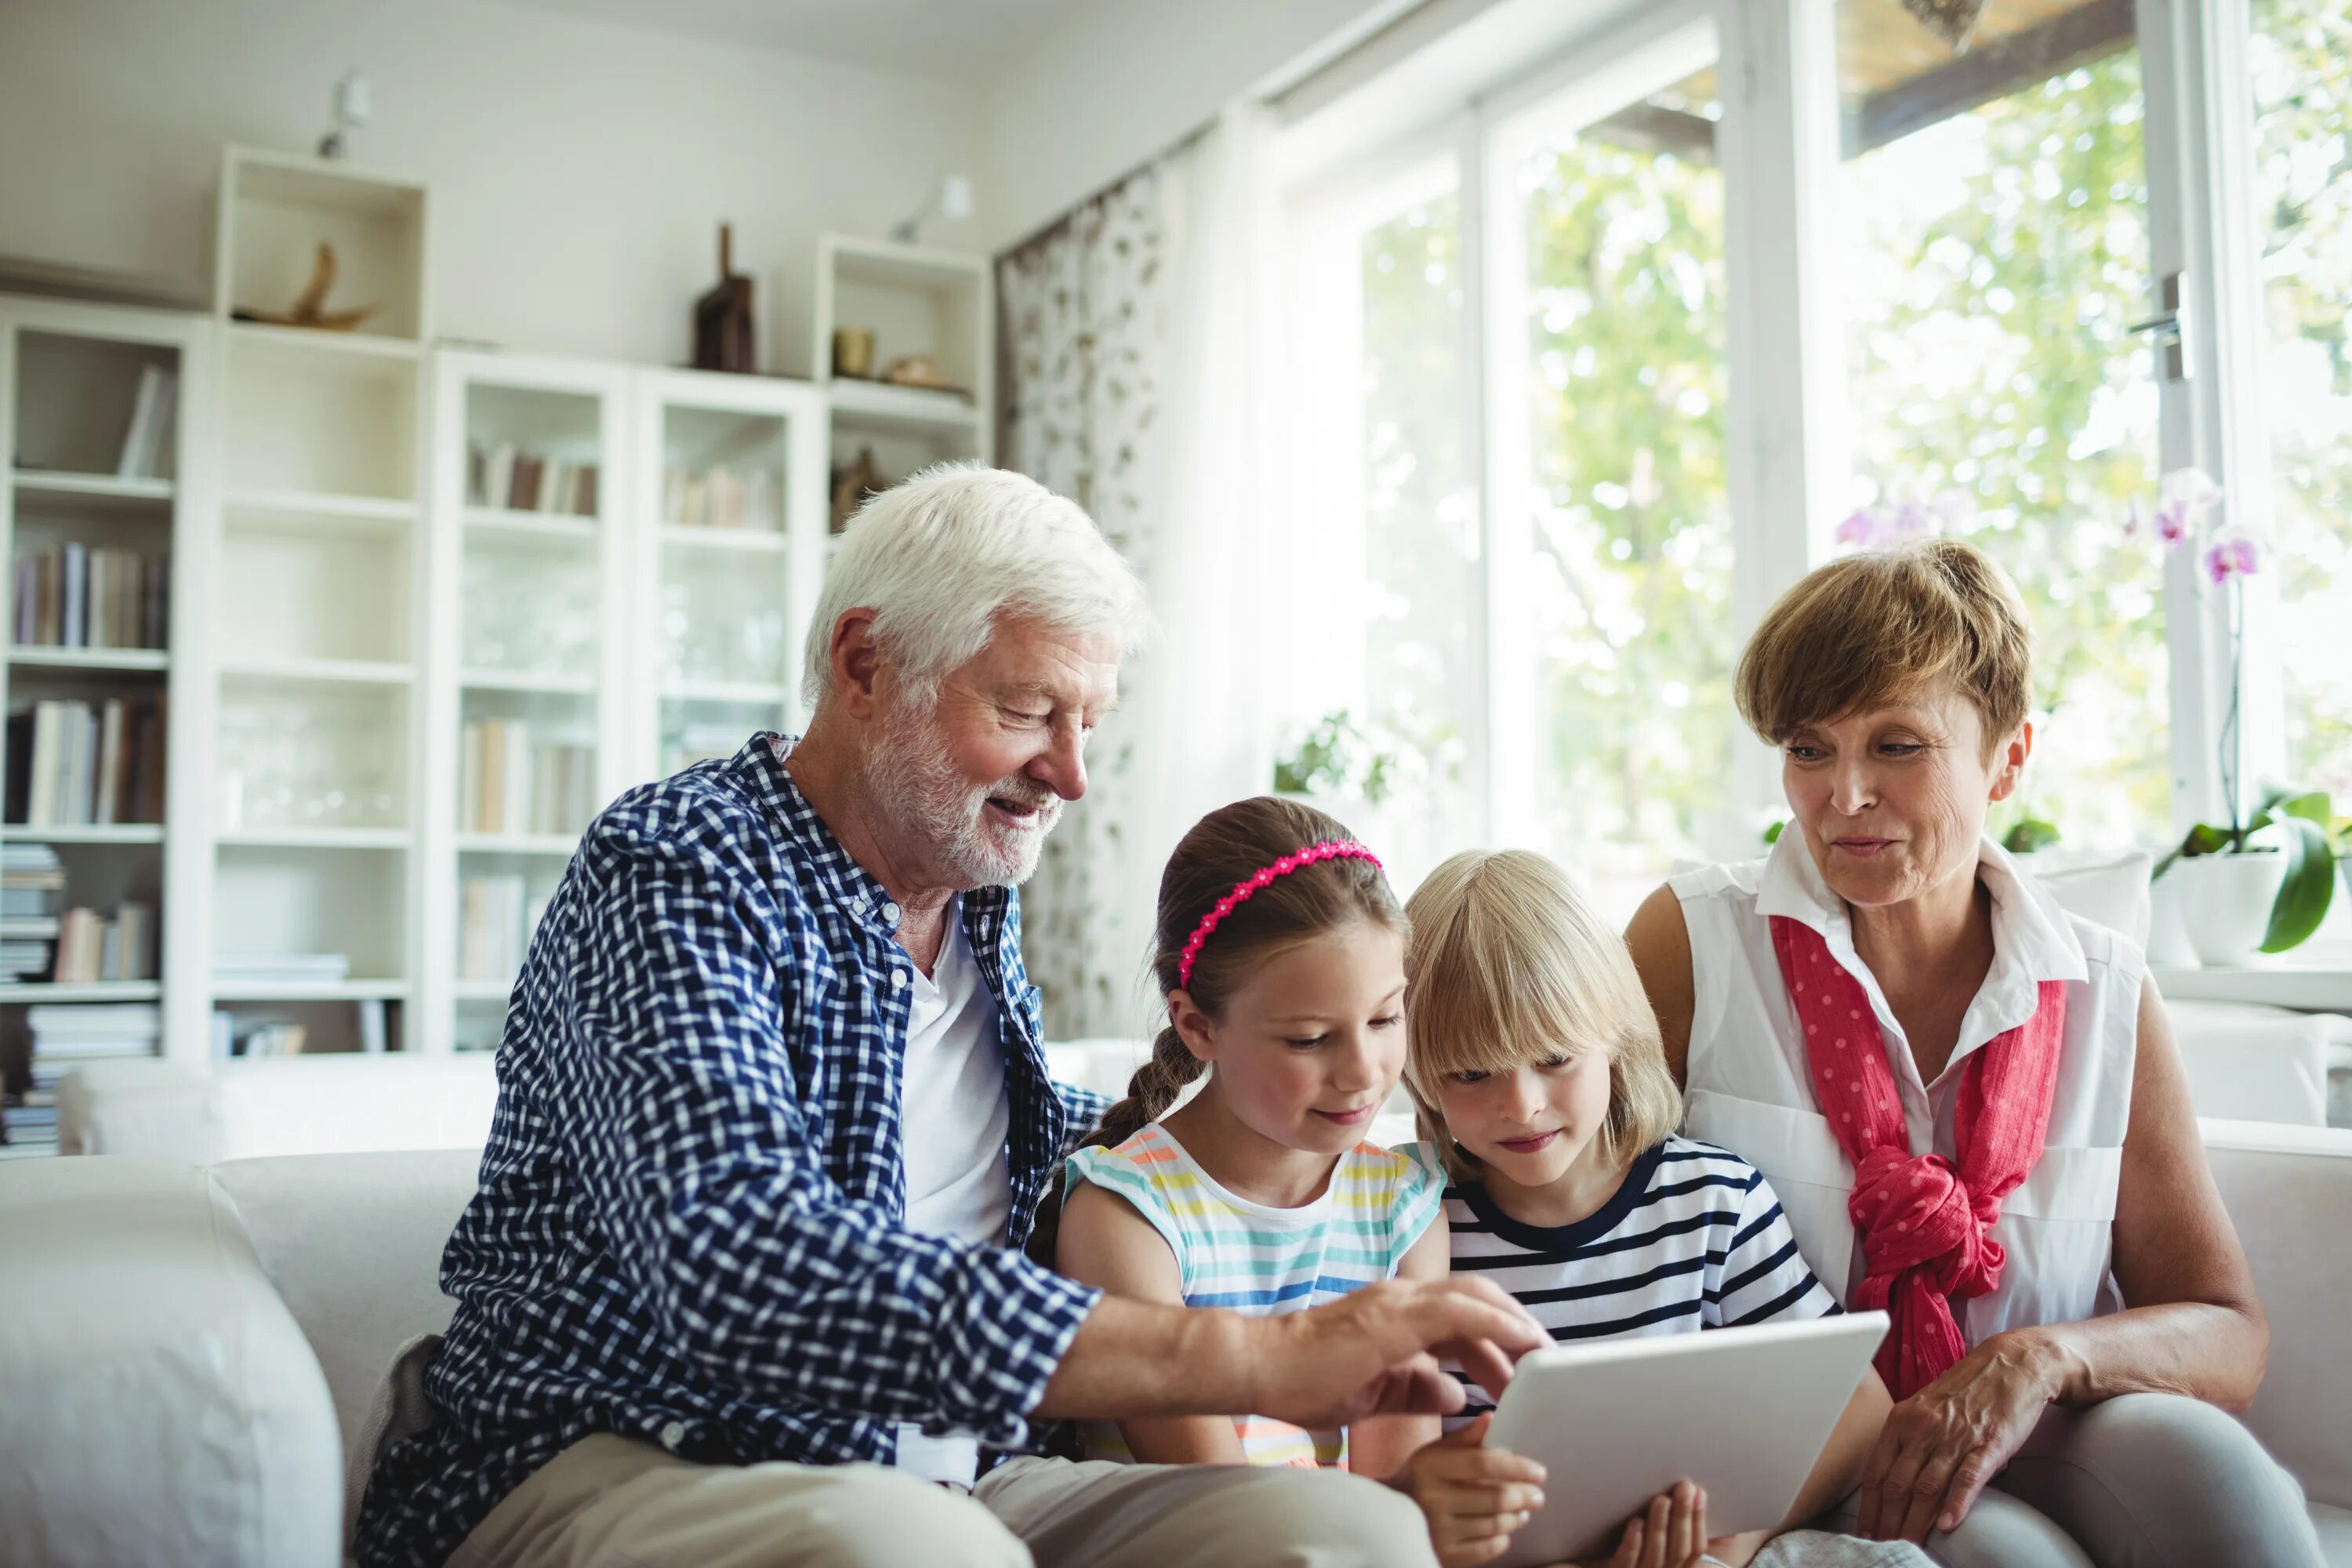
{"points": [[1508, 966]]}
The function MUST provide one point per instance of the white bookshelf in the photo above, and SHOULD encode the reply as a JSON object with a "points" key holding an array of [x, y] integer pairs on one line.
{"points": [[76, 472], [914, 301], [530, 633], [724, 604], [313, 636]]}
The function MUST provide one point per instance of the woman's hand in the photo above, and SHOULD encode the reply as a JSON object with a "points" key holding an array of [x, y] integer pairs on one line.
{"points": [[1472, 1496], [1940, 1447]]}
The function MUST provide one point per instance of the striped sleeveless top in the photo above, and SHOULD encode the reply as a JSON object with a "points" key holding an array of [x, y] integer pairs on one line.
{"points": [[1260, 1261]]}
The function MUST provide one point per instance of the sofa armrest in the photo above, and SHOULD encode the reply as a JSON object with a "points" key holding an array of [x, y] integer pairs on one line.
{"points": [[2289, 1193], [155, 1109], [161, 1404]]}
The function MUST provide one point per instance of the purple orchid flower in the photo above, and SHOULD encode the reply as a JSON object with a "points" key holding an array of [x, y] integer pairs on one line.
{"points": [[2232, 555]]}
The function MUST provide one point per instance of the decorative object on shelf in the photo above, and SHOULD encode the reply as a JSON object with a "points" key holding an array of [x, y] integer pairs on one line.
{"points": [[952, 199], [1950, 20], [853, 352], [853, 484], [309, 307], [922, 370], [147, 445], [353, 105], [723, 318]]}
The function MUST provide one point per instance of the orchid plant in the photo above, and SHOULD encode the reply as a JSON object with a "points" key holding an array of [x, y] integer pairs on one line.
{"points": [[2226, 557]]}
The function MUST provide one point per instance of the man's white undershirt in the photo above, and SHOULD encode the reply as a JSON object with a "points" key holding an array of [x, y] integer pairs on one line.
{"points": [[953, 1121]]}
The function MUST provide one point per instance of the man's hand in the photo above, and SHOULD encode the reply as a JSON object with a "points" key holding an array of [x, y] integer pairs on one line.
{"points": [[1376, 1351], [1474, 1496]]}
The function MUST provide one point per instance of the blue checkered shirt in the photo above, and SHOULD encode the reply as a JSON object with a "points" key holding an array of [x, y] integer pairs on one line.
{"points": [[689, 1227]]}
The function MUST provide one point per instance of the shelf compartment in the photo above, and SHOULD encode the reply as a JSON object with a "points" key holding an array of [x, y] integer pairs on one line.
{"points": [[880, 405], [313, 896], [330, 1023], [277, 208], [307, 422], [76, 398]]}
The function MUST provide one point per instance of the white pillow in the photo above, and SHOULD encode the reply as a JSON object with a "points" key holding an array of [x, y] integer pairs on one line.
{"points": [[2107, 888]]}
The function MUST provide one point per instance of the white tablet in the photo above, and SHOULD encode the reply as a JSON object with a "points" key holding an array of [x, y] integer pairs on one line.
{"points": [[1742, 1412]]}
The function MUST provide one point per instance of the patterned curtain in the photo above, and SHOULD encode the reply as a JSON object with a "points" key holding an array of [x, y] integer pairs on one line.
{"points": [[1083, 345]]}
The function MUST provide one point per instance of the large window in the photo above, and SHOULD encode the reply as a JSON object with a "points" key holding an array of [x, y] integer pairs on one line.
{"points": [[2302, 77], [1566, 519], [1629, 592], [1993, 257]]}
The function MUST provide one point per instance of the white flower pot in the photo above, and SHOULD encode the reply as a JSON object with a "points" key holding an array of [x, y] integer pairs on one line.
{"points": [[2225, 901]]}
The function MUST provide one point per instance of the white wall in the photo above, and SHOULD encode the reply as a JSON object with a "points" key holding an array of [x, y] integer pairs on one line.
{"points": [[579, 170], [1110, 83]]}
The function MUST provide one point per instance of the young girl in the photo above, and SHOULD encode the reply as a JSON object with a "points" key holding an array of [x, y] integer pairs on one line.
{"points": [[1281, 952], [1543, 1090]]}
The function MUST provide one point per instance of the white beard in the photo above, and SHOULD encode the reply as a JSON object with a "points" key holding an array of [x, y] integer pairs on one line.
{"points": [[921, 795]]}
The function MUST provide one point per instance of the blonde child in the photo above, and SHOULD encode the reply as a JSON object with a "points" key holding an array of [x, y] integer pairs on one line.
{"points": [[1281, 953], [1543, 1092]]}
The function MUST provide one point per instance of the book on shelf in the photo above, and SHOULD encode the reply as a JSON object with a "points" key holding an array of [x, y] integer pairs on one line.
{"points": [[147, 443], [514, 480], [78, 595], [73, 765], [507, 784], [374, 1032], [257, 1038], [721, 498], [491, 909]]}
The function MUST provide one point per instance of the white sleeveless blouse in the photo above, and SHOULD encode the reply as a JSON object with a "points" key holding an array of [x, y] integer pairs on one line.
{"points": [[1748, 1090]]}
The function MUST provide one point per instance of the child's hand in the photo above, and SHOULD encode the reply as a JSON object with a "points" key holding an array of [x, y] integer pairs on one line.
{"points": [[1472, 1496], [1671, 1533]]}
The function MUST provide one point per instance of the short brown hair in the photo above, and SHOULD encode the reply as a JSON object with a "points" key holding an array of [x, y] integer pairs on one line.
{"points": [[1507, 965], [1877, 626]]}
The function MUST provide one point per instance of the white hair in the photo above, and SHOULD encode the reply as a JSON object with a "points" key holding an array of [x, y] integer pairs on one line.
{"points": [[939, 558]]}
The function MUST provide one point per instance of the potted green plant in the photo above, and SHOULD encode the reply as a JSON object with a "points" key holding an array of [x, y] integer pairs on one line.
{"points": [[2259, 888], [2261, 883], [1338, 759]]}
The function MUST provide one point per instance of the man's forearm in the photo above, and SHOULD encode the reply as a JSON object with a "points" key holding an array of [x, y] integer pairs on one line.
{"points": [[1138, 1358]]}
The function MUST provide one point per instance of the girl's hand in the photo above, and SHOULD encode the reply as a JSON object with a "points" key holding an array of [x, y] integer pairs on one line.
{"points": [[1671, 1533], [1472, 1496], [1941, 1445]]}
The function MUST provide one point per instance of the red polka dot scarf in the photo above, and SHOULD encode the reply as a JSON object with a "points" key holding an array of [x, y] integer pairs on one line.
{"points": [[1926, 1224]]}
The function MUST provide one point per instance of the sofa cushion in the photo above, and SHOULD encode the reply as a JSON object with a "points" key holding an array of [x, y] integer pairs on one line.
{"points": [[161, 1404], [2289, 1193], [2335, 1527], [353, 1242]]}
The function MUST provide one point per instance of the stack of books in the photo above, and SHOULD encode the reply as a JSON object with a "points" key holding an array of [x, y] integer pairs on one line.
{"points": [[28, 1125], [66, 1037], [72, 596], [506, 784], [721, 498], [264, 971], [502, 477], [494, 919], [72, 766], [32, 885]]}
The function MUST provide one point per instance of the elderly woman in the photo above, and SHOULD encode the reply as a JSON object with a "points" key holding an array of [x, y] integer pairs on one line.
{"points": [[1968, 1102]]}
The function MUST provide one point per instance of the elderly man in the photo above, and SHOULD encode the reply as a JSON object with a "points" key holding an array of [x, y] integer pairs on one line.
{"points": [[743, 1283]]}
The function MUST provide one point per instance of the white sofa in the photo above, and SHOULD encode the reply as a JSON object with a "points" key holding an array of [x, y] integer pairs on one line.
{"points": [[186, 1352]]}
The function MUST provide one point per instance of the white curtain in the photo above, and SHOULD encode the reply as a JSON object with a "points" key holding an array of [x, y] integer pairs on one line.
{"points": [[1134, 335]]}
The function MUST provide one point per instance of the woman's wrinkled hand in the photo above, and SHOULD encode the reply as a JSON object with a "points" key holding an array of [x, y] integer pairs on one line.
{"points": [[1940, 1447]]}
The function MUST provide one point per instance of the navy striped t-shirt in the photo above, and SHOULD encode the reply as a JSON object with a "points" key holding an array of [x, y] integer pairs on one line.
{"points": [[1694, 1239]]}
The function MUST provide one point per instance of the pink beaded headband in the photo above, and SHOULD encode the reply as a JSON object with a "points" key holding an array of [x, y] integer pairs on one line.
{"points": [[1336, 850]]}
